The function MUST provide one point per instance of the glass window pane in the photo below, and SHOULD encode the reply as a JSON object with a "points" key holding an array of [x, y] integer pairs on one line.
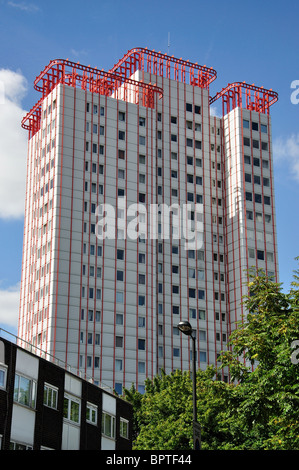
{"points": [[74, 412]]}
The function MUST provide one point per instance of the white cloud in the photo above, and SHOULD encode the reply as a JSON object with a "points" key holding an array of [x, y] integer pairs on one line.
{"points": [[9, 306], [24, 6], [13, 144], [214, 111], [78, 52], [286, 152]]}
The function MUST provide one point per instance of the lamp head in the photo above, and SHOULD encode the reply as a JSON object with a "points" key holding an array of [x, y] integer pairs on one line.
{"points": [[185, 327]]}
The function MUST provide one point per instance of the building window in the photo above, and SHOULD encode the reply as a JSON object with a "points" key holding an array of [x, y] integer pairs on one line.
{"points": [[19, 446], [201, 294], [121, 116], [121, 154], [189, 107], [50, 396], [256, 162], [175, 310], [264, 146], [264, 128], [71, 409], [267, 200], [118, 388], [25, 391], [176, 352], [124, 428], [141, 344], [91, 413], [203, 356], [201, 314], [141, 121], [257, 179], [3, 375], [142, 258], [258, 198], [108, 425]]}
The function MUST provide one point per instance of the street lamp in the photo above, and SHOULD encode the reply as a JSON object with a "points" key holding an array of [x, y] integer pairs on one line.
{"points": [[186, 328]]}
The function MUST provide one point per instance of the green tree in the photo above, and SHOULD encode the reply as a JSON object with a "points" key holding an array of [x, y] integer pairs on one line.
{"points": [[258, 409], [268, 391]]}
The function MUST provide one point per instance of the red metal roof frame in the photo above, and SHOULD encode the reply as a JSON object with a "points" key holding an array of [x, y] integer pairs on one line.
{"points": [[165, 66], [241, 94], [87, 78]]}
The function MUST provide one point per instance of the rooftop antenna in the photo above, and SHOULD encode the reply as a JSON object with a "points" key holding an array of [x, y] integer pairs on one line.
{"points": [[168, 42]]}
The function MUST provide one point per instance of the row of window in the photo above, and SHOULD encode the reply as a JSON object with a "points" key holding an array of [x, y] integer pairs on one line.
{"points": [[257, 179], [258, 198], [255, 143], [256, 161], [25, 394], [258, 216], [255, 126], [260, 255]]}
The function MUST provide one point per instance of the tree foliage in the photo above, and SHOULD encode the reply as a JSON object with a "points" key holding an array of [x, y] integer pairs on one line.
{"points": [[257, 409]]}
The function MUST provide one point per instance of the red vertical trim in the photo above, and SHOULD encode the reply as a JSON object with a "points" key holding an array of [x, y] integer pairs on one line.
{"points": [[253, 191], [238, 214], [116, 235], [103, 242], [71, 229], [272, 199], [59, 221], [243, 180], [137, 253], [82, 231], [232, 218], [125, 280], [204, 232], [186, 215], [262, 188]]}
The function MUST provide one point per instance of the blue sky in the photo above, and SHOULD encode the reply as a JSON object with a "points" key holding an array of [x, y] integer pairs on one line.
{"points": [[254, 41]]}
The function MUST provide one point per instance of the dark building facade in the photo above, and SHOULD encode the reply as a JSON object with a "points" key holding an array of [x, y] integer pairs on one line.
{"points": [[44, 406]]}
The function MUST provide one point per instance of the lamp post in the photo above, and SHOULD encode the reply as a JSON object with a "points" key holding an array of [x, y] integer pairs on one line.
{"points": [[186, 328]]}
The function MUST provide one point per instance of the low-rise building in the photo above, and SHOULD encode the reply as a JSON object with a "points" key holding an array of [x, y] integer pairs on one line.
{"points": [[45, 406]]}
